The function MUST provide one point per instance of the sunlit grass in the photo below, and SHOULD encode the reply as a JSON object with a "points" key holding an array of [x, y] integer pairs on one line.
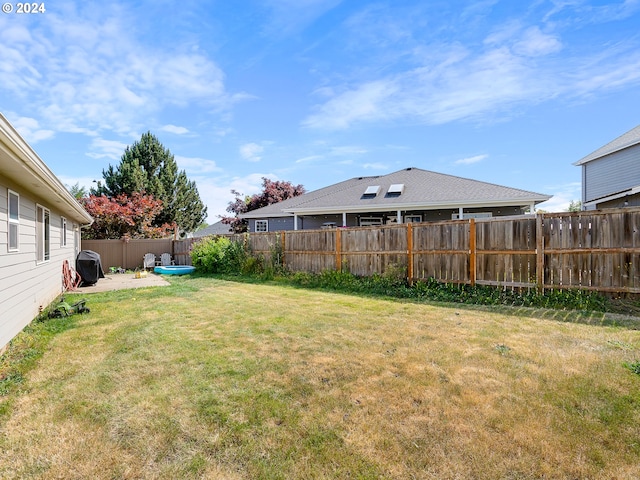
{"points": [[216, 379]]}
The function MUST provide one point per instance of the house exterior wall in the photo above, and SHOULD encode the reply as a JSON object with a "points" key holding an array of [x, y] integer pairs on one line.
{"points": [[27, 284], [611, 174], [627, 201], [313, 222]]}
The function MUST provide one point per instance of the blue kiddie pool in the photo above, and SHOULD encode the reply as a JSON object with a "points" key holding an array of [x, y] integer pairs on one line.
{"points": [[174, 269]]}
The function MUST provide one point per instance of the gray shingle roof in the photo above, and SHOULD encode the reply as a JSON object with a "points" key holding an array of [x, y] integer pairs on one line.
{"points": [[422, 189], [629, 139], [217, 228]]}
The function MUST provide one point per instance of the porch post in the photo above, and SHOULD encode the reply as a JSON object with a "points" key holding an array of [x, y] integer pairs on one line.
{"points": [[344, 219], [460, 213], [399, 217], [295, 221]]}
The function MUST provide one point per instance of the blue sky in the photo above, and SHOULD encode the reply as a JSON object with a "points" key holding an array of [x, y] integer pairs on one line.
{"points": [[319, 91]]}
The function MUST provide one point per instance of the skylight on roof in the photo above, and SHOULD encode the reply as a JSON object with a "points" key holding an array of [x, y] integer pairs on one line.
{"points": [[396, 189], [372, 190]]}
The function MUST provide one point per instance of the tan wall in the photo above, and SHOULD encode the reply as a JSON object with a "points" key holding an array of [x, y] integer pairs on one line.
{"points": [[128, 255]]}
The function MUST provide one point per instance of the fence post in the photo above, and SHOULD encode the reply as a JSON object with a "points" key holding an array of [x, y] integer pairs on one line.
{"points": [[338, 249], [540, 252], [410, 253], [282, 246], [472, 251]]}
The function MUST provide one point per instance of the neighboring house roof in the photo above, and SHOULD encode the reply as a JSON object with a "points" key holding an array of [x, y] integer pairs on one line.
{"points": [[217, 228], [626, 140], [23, 166], [417, 189]]}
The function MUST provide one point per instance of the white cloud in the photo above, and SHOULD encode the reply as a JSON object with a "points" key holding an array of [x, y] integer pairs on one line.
{"points": [[101, 148], [563, 195], [216, 192], [84, 72], [309, 159], [516, 65], [251, 152], [471, 160], [535, 43], [196, 165], [375, 166], [29, 129], [174, 129]]}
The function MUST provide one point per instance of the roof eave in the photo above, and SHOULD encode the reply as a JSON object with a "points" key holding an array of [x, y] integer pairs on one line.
{"points": [[415, 206], [28, 161]]}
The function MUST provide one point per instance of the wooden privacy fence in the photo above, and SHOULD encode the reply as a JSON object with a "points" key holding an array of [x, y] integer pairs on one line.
{"points": [[128, 254], [592, 250]]}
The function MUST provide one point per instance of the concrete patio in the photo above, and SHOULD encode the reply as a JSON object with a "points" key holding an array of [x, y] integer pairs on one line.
{"points": [[122, 281]]}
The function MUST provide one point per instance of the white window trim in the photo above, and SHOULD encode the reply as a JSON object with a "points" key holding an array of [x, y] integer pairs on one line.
{"points": [[412, 218], [12, 221], [63, 232], [370, 221], [42, 239], [265, 223]]}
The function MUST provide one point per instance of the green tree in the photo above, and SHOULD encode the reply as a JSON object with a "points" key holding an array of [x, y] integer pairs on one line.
{"points": [[77, 191], [272, 192], [147, 167], [575, 206]]}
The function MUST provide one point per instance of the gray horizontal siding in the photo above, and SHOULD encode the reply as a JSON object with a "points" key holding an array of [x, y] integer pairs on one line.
{"points": [[25, 284], [612, 174]]}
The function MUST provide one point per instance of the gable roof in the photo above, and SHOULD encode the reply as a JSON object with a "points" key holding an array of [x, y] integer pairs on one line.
{"points": [[626, 140], [20, 163], [416, 189], [217, 228]]}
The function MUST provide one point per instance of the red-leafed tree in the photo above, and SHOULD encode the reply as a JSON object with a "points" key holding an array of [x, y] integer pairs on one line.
{"points": [[124, 216], [272, 192]]}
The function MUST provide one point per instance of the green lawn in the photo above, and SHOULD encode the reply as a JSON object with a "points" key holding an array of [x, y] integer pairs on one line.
{"points": [[225, 380]]}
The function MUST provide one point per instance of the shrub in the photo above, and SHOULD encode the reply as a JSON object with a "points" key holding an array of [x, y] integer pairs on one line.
{"points": [[218, 255]]}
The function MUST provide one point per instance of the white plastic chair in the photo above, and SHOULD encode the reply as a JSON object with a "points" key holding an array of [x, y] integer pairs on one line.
{"points": [[149, 260], [165, 259]]}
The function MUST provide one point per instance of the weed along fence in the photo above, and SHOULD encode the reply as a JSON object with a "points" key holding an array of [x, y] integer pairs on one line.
{"points": [[596, 250]]}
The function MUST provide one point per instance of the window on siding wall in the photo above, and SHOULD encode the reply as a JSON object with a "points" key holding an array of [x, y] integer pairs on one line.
{"points": [[13, 201], [43, 233], [63, 232], [262, 225]]}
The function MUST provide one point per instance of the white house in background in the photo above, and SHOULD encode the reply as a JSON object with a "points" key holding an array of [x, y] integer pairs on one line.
{"points": [[611, 174], [39, 229]]}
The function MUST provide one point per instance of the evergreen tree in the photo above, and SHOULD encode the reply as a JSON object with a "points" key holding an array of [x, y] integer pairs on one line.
{"points": [[147, 167]]}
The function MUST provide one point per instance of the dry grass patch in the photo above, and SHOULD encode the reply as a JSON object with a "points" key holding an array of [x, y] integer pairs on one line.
{"points": [[213, 379]]}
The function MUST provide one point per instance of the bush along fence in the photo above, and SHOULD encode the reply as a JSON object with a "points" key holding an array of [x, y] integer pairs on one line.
{"points": [[591, 250]]}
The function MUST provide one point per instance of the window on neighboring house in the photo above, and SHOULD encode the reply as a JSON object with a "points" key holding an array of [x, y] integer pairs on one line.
{"points": [[63, 232], [13, 201], [262, 225], [413, 218], [43, 233]]}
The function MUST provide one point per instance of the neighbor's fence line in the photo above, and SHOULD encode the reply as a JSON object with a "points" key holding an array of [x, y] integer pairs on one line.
{"points": [[592, 250]]}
